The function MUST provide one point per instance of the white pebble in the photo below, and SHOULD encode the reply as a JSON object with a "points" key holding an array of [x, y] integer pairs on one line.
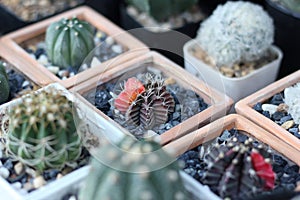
{"points": [[72, 198], [72, 74], [61, 72], [95, 62], [16, 185], [4, 173], [270, 108], [28, 186], [32, 55], [25, 84], [39, 182], [43, 60], [18, 168], [41, 45], [59, 176], [64, 78], [84, 67], [53, 69], [117, 48], [109, 40]]}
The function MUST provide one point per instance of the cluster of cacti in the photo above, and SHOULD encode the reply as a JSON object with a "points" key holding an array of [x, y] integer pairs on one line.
{"points": [[145, 105], [162, 9], [292, 99], [133, 170], [4, 84], [42, 132], [293, 5], [239, 169], [236, 32], [69, 41]]}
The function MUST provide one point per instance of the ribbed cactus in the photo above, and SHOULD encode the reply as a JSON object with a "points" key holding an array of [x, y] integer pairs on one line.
{"points": [[69, 41], [42, 131], [4, 84], [293, 5], [237, 170], [148, 106], [162, 9], [236, 32], [292, 99], [137, 180]]}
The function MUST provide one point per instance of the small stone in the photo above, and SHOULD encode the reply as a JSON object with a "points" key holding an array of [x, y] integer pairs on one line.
{"points": [[66, 170], [4, 173], [285, 119], [18, 168], [277, 99], [258, 107], [25, 84], [297, 135], [53, 69], [288, 124], [270, 108], [8, 164], [28, 186], [95, 62], [109, 41], [63, 73], [43, 60], [39, 182], [72, 74], [294, 130], [117, 48], [277, 116], [282, 108], [59, 176], [64, 78]]}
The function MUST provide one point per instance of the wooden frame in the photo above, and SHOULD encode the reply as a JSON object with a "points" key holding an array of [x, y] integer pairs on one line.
{"points": [[219, 103], [17, 55], [244, 107]]}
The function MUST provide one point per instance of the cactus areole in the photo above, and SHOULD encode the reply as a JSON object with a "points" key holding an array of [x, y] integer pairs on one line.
{"points": [[4, 84], [42, 132], [69, 41]]}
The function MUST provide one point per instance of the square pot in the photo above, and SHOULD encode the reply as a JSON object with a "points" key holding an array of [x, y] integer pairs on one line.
{"points": [[236, 88], [41, 74], [95, 125], [245, 108], [218, 103], [216, 128]]}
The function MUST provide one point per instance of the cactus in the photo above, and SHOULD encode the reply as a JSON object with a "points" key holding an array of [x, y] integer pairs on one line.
{"points": [[237, 169], [162, 9], [4, 84], [69, 41], [149, 105], [236, 32], [293, 5], [292, 99], [143, 174], [42, 132]]}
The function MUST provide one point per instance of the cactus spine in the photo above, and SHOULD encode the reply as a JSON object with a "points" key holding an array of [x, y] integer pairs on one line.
{"points": [[42, 132], [69, 41], [4, 84], [137, 180]]}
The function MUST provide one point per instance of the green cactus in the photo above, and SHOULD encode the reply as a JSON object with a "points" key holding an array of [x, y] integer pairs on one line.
{"points": [[293, 5], [42, 132], [136, 181], [69, 41], [162, 9], [4, 84]]}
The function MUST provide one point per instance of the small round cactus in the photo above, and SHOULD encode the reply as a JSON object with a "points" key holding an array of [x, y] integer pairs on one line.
{"points": [[236, 32], [4, 84], [69, 41], [137, 181], [42, 132]]}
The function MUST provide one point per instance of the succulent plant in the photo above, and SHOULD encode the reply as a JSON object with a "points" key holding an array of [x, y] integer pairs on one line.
{"points": [[4, 84], [140, 178], [147, 104], [293, 5], [237, 169], [162, 9], [42, 132], [236, 32], [292, 99], [69, 41]]}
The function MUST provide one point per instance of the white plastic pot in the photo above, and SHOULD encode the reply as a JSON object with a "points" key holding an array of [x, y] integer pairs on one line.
{"points": [[236, 88], [96, 124]]}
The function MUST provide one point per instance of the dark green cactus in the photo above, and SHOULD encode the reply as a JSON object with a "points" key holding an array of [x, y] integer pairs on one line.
{"points": [[162, 9], [69, 41], [4, 84], [136, 181], [42, 132]]}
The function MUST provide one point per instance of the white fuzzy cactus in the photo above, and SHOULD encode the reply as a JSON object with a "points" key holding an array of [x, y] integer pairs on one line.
{"points": [[292, 99], [236, 32]]}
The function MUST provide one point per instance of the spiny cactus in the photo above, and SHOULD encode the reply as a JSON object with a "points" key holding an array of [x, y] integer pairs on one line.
{"points": [[162, 9], [4, 84], [147, 105], [292, 99], [69, 41], [293, 5], [42, 132], [239, 169], [236, 32], [137, 180]]}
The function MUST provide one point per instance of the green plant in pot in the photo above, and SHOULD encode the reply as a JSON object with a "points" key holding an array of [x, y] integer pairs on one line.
{"points": [[42, 132], [4, 84], [236, 40], [133, 170], [69, 41]]}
